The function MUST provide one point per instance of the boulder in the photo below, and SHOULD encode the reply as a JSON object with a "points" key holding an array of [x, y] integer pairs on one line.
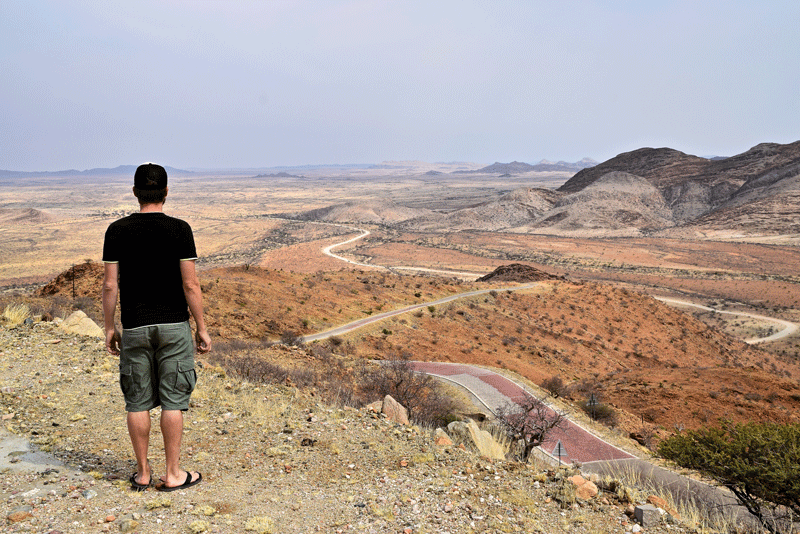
{"points": [[584, 489], [480, 439], [394, 411], [79, 323]]}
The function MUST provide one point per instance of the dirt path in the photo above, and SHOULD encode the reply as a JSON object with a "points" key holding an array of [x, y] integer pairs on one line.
{"points": [[789, 328]]}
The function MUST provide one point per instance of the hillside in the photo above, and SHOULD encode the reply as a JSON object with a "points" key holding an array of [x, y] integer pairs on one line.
{"points": [[274, 458], [644, 192], [650, 361], [694, 186]]}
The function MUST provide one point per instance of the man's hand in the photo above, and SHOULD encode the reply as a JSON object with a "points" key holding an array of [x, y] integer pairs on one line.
{"points": [[203, 341], [113, 341]]}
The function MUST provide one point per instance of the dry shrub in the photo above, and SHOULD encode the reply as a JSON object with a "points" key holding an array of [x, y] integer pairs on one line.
{"points": [[15, 314]]}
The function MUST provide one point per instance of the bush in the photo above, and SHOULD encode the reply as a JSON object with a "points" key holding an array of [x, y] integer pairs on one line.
{"points": [[419, 393], [758, 462], [554, 385]]}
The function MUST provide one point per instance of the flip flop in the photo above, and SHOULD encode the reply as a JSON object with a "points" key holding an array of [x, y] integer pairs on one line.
{"points": [[188, 483], [136, 486]]}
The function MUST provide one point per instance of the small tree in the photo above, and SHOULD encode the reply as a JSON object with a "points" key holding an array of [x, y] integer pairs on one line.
{"points": [[758, 462], [419, 393], [529, 421]]}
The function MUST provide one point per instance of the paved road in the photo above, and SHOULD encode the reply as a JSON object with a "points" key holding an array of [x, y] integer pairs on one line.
{"points": [[593, 453], [495, 390]]}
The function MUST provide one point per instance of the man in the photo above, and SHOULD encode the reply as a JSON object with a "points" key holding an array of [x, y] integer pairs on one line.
{"points": [[149, 261]]}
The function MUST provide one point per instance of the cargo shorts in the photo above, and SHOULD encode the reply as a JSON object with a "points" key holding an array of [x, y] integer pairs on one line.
{"points": [[156, 367]]}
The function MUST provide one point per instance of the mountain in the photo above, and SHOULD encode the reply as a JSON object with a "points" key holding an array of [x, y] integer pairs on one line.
{"points": [[121, 170], [693, 187], [517, 167], [649, 191]]}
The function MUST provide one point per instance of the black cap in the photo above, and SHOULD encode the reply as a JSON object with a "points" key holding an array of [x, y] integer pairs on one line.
{"points": [[150, 177]]}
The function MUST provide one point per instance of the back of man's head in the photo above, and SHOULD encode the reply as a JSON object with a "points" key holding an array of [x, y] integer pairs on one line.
{"points": [[150, 184], [149, 177]]}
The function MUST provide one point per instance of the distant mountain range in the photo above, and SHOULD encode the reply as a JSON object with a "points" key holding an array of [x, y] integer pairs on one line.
{"points": [[517, 167], [122, 170], [650, 191]]}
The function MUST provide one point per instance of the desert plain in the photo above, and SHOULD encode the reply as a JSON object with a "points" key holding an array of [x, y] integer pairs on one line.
{"points": [[256, 232]]}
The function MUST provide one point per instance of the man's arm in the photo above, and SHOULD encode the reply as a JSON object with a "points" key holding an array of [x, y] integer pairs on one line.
{"points": [[110, 292], [194, 298]]}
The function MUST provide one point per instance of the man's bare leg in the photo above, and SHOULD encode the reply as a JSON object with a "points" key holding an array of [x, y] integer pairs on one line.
{"points": [[172, 430], [139, 431]]}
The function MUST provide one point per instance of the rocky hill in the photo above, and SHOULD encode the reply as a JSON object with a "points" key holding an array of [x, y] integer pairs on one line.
{"points": [[645, 192], [374, 212], [695, 187]]}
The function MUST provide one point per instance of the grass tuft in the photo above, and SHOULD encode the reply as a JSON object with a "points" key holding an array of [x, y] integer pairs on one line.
{"points": [[15, 314]]}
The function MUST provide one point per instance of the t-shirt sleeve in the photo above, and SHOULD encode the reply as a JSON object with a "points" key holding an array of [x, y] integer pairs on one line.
{"points": [[187, 249], [110, 246]]}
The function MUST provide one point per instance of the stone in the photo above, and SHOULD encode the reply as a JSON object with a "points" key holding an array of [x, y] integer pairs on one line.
{"points": [[394, 411], [647, 515], [658, 502], [441, 439], [79, 323], [128, 525], [482, 440], [19, 514], [584, 489]]}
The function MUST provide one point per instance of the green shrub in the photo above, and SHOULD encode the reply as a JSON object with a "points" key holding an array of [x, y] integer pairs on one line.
{"points": [[758, 462]]}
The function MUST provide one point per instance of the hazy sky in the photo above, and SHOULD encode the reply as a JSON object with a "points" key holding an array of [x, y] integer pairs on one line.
{"points": [[207, 84]]}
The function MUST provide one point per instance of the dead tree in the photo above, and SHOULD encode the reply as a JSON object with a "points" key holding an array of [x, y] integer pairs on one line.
{"points": [[529, 421]]}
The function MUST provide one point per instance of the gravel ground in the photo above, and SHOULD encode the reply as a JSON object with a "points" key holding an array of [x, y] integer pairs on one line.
{"points": [[273, 460]]}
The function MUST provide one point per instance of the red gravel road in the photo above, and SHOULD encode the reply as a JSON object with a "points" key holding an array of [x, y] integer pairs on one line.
{"points": [[495, 390]]}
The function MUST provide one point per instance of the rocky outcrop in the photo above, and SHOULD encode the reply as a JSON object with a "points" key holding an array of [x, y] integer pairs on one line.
{"points": [[79, 323], [517, 272]]}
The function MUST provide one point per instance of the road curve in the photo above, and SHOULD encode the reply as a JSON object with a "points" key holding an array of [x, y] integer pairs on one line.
{"points": [[789, 328], [328, 251], [495, 390]]}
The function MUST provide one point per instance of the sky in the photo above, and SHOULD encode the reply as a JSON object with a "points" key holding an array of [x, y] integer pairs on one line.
{"points": [[253, 84]]}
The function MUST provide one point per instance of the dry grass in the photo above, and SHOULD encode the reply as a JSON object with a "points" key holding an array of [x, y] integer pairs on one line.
{"points": [[15, 314]]}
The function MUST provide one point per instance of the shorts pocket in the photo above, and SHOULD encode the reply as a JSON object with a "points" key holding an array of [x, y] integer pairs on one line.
{"points": [[186, 378], [130, 388]]}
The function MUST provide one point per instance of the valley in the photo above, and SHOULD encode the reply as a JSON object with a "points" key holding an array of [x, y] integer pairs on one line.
{"points": [[433, 229]]}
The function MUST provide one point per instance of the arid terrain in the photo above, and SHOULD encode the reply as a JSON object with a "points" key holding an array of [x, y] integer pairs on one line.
{"points": [[264, 273], [419, 232]]}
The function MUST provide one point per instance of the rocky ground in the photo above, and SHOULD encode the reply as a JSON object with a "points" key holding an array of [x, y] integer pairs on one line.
{"points": [[273, 460]]}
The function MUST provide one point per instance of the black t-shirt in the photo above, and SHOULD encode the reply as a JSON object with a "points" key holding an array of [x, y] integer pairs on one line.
{"points": [[149, 248]]}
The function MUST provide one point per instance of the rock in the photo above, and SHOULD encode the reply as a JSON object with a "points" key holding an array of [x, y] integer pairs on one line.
{"points": [[394, 411], [658, 502], [647, 515], [480, 439], [441, 439], [128, 525], [20, 513], [584, 489], [79, 323]]}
